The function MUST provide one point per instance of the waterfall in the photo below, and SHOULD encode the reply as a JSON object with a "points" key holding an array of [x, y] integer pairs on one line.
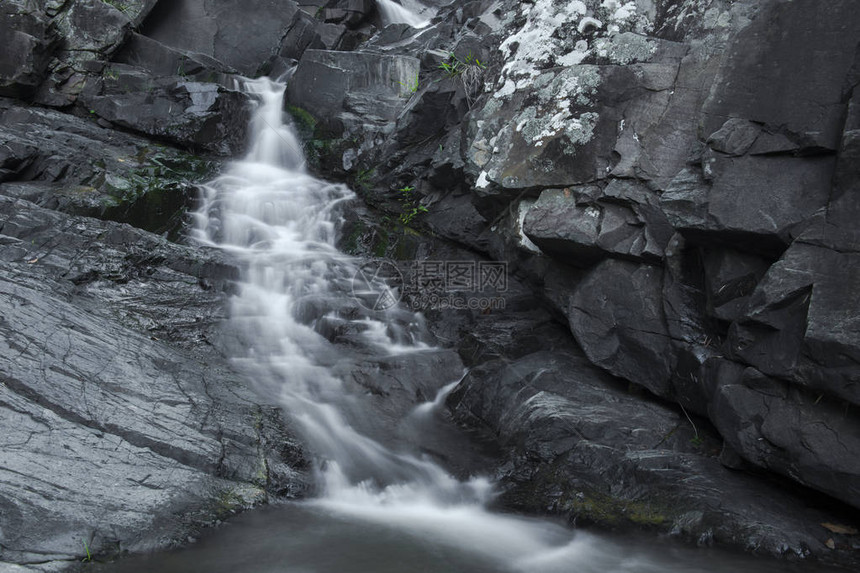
{"points": [[280, 223], [394, 13]]}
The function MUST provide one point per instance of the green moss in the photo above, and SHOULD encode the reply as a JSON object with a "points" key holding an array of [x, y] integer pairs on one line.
{"points": [[303, 118], [229, 501], [587, 505]]}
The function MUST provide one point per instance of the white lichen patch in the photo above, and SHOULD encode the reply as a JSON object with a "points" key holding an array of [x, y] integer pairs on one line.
{"points": [[555, 115], [625, 48], [558, 33]]}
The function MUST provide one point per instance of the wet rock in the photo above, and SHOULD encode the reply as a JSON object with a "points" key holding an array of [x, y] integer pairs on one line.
{"points": [[199, 115], [578, 446], [161, 60], [350, 13], [92, 30], [154, 435], [581, 227], [616, 315], [72, 164], [306, 32], [242, 34], [776, 427], [352, 91], [29, 40]]}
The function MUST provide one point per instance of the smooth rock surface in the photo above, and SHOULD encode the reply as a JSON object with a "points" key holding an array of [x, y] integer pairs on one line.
{"points": [[110, 396]]}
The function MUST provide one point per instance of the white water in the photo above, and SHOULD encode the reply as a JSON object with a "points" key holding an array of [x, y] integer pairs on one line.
{"points": [[394, 13], [281, 223]]}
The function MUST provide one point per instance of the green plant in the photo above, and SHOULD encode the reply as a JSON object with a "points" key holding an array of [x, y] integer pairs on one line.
{"points": [[362, 179], [89, 557], [454, 66], [411, 208], [411, 86], [121, 6], [470, 70]]}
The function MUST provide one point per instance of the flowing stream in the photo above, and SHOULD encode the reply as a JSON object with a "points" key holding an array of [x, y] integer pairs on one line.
{"points": [[298, 333], [394, 13]]}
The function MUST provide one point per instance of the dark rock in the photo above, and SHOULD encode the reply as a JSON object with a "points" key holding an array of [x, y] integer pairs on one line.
{"points": [[730, 277], [202, 116], [735, 137], [161, 60], [104, 375], [616, 315], [580, 447], [303, 34], [754, 204], [74, 165], [349, 13], [242, 34], [801, 322], [352, 91], [812, 440], [29, 40], [92, 30], [773, 78], [581, 227]]}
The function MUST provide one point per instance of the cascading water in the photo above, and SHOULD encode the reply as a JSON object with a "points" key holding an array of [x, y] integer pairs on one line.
{"points": [[394, 13], [381, 508], [280, 222]]}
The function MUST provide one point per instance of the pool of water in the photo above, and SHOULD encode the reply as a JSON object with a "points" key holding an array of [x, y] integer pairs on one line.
{"points": [[313, 537]]}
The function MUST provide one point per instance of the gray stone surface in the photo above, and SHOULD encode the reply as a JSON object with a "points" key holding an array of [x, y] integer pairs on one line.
{"points": [[242, 34], [616, 315], [348, 90], [121, 426], [75, 165], [29, 38], [204, 116], [579, 446]]}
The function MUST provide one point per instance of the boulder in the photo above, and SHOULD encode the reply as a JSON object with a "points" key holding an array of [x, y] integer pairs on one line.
{"points": [[350, 90], [75, 165], [616, 315], [754, 204], [241, 34], [578, 446], [801, 322], [772, 76], [198, 115], [794, 433], [161, 60], [92, 30], [581, 226], [350, 13], [123, 430], [29, 41]]}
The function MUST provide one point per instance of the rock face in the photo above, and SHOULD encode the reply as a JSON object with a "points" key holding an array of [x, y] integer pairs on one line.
{"points": [[121, 392], [673, 184], [679, 181], [124, 427], [240, 33], [29, 39], [582, 446]]}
